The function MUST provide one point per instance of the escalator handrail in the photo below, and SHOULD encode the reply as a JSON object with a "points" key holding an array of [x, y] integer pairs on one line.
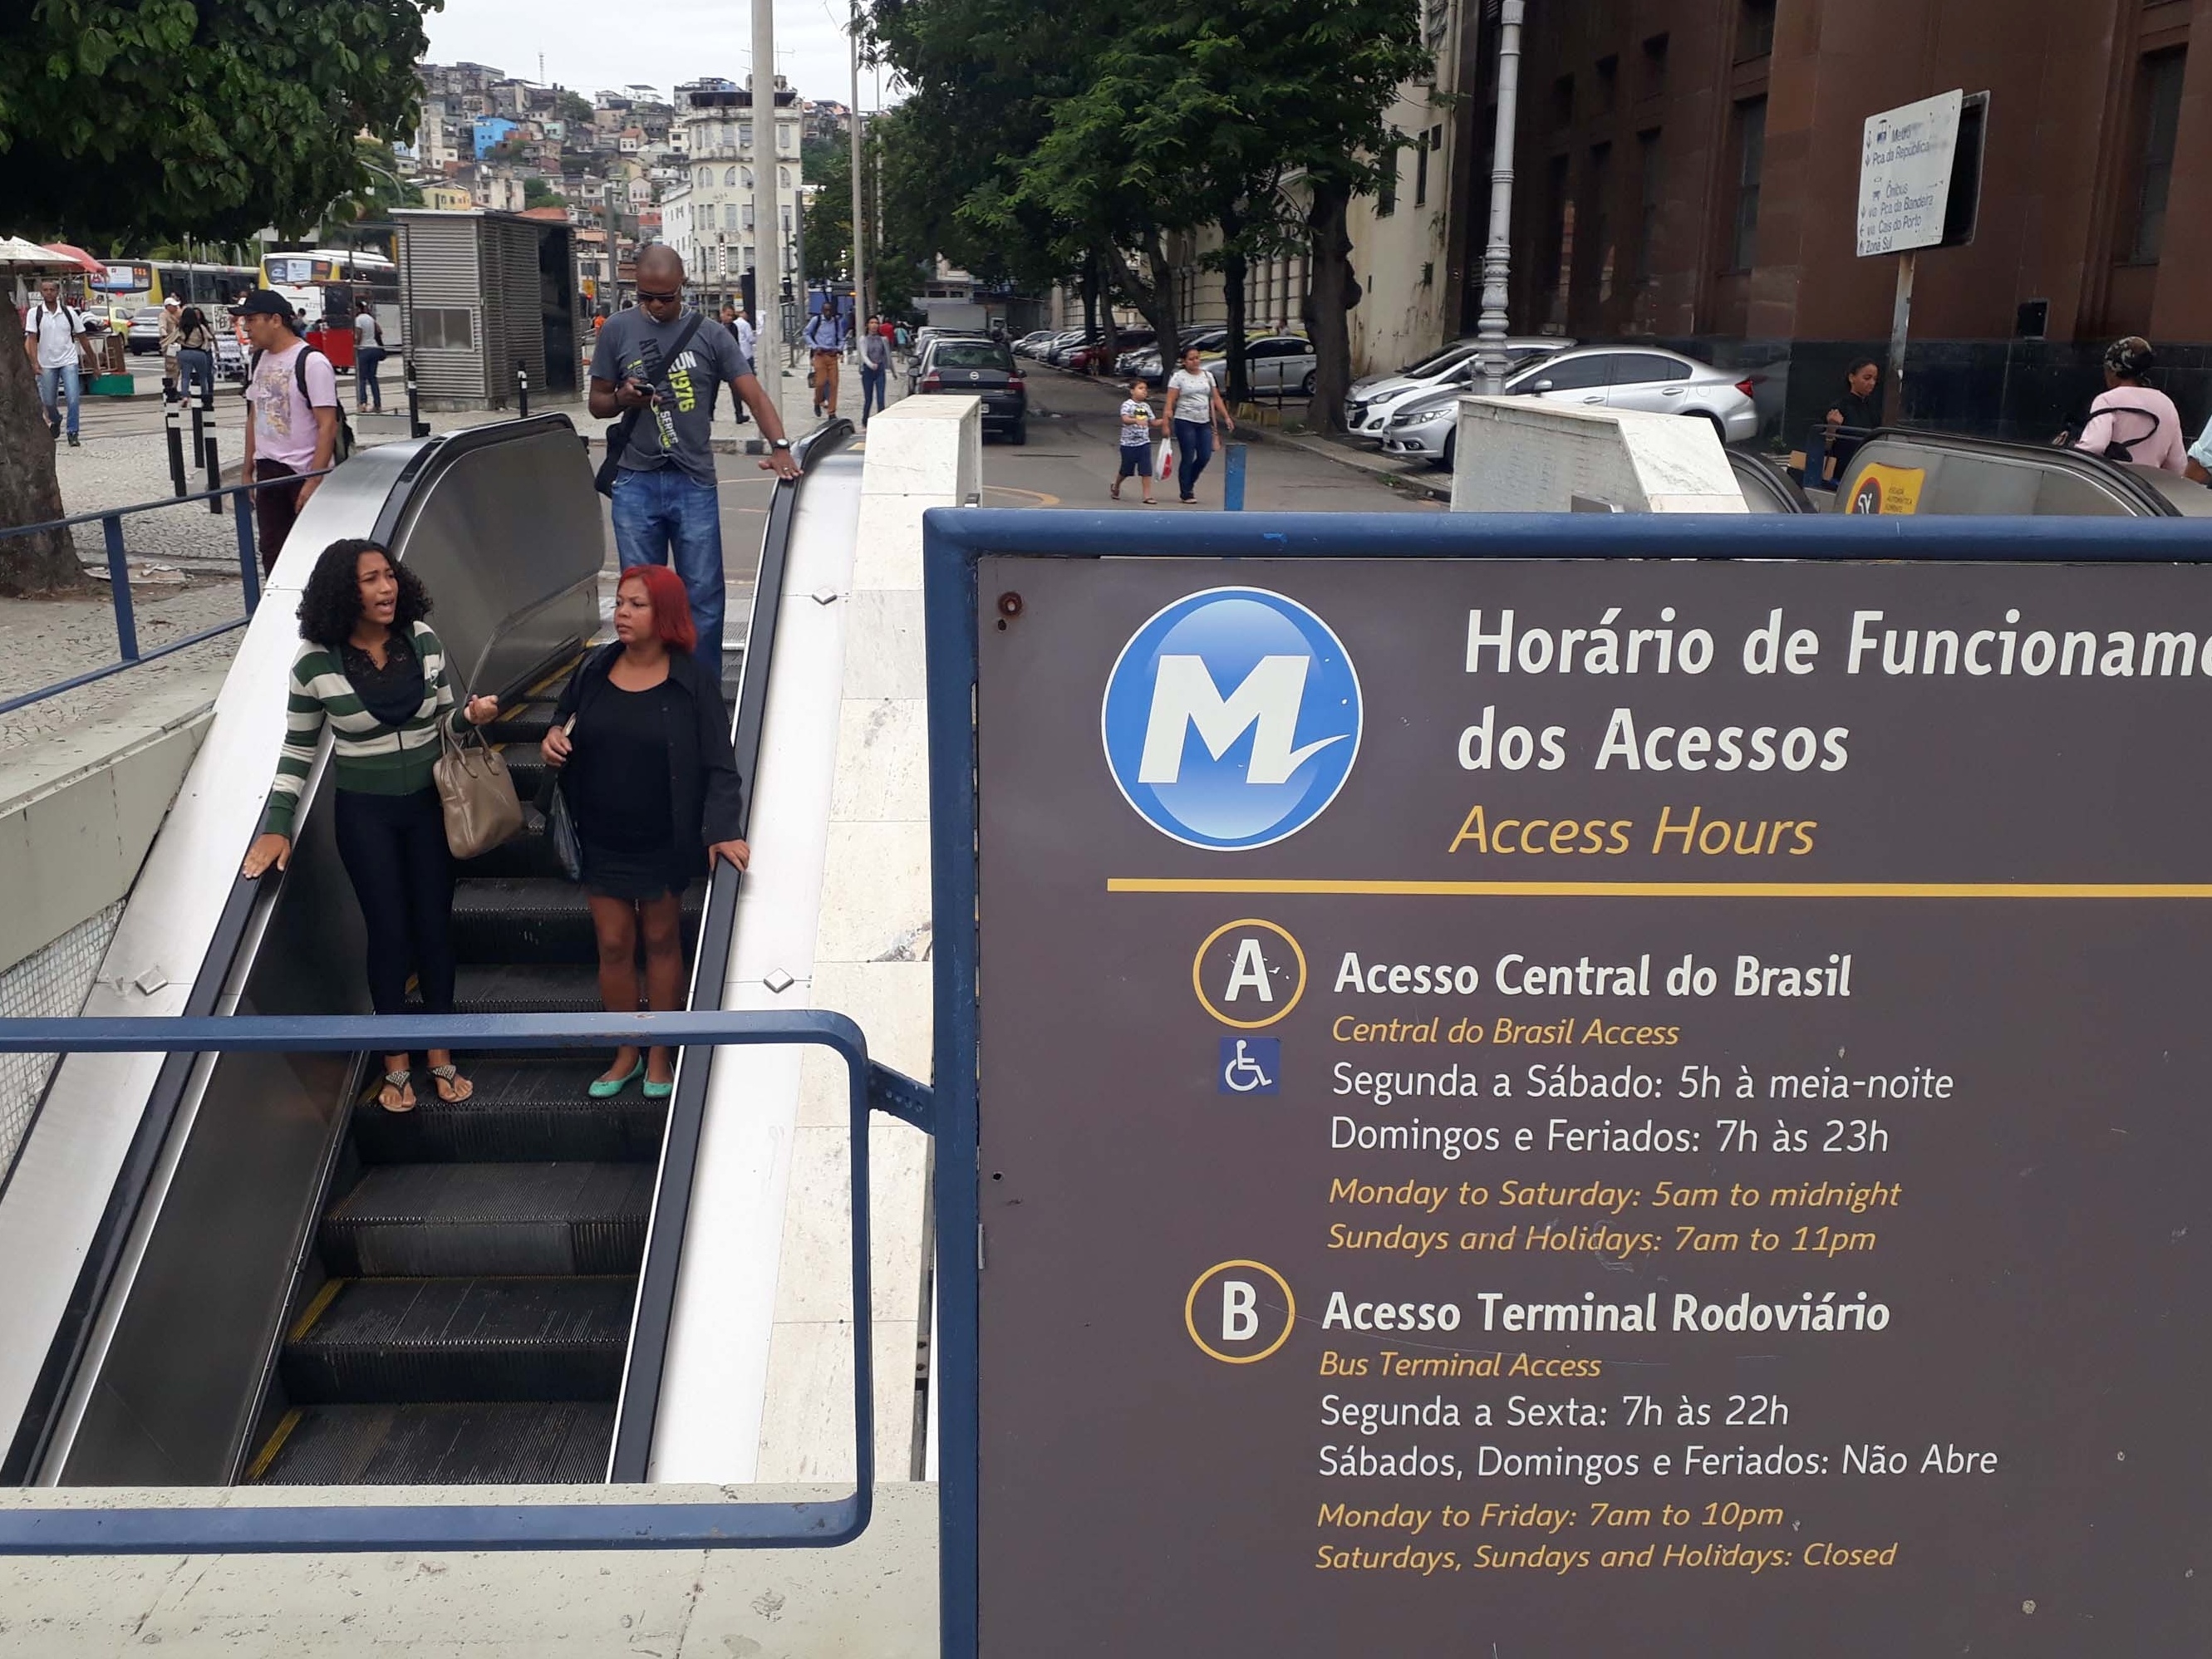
{"points": [[103, 1258], [654, 1316], [2117, 478]]}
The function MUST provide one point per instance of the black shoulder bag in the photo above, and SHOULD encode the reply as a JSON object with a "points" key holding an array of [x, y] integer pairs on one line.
{"points": [[618, 435]]}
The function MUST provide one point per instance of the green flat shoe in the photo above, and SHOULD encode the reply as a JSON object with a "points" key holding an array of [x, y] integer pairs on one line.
{"points": [[605, 1088], [659, 1091]]}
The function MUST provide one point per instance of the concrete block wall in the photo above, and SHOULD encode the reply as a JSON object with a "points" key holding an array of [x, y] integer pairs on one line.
{"points": [[1515, 455]]}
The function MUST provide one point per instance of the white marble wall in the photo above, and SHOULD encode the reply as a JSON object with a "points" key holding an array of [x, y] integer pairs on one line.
{"points": [[1516, 455]]}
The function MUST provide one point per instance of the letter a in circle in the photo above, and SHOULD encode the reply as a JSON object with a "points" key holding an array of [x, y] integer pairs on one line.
{"points": [[1240, 1319], [1250, 971]]}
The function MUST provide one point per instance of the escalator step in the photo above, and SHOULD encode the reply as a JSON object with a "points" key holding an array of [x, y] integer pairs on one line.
{"points": [[526, 988], [526, 724], [491, 1444], [533, 1110], [393, 1339], [523, 855], [441, 1220], [537, 919]]}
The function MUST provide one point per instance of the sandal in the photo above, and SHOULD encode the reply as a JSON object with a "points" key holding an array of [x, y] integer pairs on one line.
{"points": [[399, 1086], [453, 1087]]}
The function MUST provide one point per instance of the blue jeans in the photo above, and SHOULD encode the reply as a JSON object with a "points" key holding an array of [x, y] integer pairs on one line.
{"points": [[1194, 449], [365, 388], [192, 365], [662, 512], [50, 382], [871, 390]]}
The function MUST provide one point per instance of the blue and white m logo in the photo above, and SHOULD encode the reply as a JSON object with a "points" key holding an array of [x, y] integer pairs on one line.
{"points": [[1232, 719]]}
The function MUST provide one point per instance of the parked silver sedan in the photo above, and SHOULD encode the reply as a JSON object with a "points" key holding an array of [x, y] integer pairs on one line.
{"points": [[1272, 363], [1369, 404], [1638, 377]]}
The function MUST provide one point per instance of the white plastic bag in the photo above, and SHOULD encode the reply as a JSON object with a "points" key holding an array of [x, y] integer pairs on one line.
{"points": [[1164, 460]]}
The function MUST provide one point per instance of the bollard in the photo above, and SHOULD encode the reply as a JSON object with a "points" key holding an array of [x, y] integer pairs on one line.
{"points": [[118, 583], [521, 391], [199, 434], [415, 429], [248, 567], [1232, 477], [172, 419], [213, 475]]}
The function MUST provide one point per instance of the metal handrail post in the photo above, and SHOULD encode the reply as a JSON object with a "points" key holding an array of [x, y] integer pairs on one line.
{"points": [[119, 581], [215, 477], [249, 567]]}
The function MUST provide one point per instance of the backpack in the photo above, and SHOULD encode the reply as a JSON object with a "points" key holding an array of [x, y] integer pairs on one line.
{"points": [[2124, 449], [342, 446]]}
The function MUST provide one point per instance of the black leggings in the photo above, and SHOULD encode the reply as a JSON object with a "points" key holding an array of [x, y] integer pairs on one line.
{"points": [[394, 849]]}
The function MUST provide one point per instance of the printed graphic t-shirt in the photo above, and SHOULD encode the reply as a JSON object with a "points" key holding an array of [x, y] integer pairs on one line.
{"points": [[1135, 437], [688, 386], [284, 421], [1196, 401]]}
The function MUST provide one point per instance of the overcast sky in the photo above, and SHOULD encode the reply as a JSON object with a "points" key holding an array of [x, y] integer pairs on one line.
{"points": [[591, 44]]}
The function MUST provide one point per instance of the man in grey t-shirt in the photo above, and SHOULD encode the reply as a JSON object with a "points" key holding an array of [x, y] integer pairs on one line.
{"points": [[666, 509]]}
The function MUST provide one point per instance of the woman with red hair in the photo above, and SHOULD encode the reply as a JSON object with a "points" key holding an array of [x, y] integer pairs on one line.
{"points": [[641, 742]]}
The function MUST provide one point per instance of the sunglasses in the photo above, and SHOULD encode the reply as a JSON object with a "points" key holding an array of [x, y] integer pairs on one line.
{"points": [[646, 298]]}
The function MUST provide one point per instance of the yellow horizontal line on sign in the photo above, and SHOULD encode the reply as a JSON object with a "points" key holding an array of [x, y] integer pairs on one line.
{"points": [[1892, 890]]}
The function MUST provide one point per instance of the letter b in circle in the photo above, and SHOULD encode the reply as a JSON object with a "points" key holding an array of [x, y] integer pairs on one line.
{"points": [[1240, 1318], [1239, 1312]]}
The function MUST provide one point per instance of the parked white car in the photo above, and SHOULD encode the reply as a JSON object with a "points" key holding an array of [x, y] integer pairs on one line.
{"points": [[1638, 377], [1272, 363], [1371, 402]]}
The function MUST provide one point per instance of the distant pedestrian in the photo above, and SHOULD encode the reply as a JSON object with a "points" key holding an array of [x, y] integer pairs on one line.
{"points": [[661, 370], [293, 392], [875, 367], [1194, 402], [730, 319], [825, 339], [196, 355], [1855, 414], [1138, 425], [368, 356], [2130, 420], [50, 332], [173, 313], [745, 337]]}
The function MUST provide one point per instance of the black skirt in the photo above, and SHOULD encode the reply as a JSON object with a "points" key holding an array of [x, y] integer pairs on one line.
{"points": [[618, 873]]}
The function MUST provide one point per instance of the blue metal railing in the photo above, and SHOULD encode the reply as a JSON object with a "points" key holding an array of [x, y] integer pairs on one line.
{"points": [[290, 1529], [110, 520]]}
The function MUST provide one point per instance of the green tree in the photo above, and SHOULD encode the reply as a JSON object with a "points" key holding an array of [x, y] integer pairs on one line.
{"points": [[136, 120], [572, 106], [829, 217], [536, 193]]}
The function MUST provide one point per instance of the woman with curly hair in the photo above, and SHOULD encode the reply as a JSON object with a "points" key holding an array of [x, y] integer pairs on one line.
{"points": [[641, 742], [369, 667]]}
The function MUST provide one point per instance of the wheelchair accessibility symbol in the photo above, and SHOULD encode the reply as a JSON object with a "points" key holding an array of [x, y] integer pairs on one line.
{"points": [[1251, 1066]]}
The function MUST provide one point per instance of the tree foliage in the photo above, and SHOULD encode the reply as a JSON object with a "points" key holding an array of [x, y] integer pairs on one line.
{"points": [[134, 122]]}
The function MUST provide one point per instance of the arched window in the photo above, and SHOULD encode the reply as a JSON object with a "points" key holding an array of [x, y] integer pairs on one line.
{"points": [[706, 177], [745, 176], [730, 177], [783, 177]]}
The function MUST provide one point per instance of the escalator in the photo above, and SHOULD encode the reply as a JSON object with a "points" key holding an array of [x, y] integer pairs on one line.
{"points": [[463, 1313], [275, 1281]]}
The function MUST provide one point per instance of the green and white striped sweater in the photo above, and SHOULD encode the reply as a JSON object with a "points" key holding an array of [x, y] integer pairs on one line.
{"points": [[367, 756]]}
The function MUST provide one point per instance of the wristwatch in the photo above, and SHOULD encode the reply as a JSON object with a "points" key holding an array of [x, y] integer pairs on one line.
{"points": [[779, 443]]}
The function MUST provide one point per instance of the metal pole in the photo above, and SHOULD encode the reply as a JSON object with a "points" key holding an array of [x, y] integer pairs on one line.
{"points": [[1232, 473], [199, 434], [214, 476], [1900, 326], [415, 429], [249, 567], [1498, 253], [768, 253], [860, 240], [119, 587], [521, 389], [173, 422]]}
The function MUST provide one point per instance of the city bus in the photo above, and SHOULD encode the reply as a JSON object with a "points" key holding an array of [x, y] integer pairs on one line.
{"points": [[132, 283], [325, 286]]}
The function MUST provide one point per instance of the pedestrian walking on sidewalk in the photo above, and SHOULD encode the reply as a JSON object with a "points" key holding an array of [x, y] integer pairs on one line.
{"points": [[172, 326], [1194, 402], [196, 355], [661, 370], [1138, 426], [825, 339], [50, 332], [368, 356], [875, 353], [292, 392]]}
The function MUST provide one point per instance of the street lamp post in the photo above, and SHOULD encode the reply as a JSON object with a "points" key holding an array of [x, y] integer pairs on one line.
{"points": [[767, 258], [1498, 253], [860, 259]]}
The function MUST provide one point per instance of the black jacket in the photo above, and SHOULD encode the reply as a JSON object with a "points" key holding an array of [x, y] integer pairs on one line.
{"points": [[706, 796]]}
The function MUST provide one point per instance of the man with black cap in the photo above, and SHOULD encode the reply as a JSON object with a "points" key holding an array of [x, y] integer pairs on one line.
{"points": [[292, 394]]}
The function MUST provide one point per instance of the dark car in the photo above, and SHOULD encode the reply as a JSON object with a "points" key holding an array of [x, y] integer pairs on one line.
{"points": [[987, 368]]}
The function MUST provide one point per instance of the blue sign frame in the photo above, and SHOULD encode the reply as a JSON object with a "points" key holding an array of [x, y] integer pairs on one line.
{"points": [[953, 540]]}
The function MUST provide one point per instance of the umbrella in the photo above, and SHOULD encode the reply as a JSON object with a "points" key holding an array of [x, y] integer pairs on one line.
{"points": [[77, 257], [16, 254]]}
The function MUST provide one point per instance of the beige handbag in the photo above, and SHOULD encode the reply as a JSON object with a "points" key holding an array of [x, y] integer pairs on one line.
{"points": [[481, 809]]}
